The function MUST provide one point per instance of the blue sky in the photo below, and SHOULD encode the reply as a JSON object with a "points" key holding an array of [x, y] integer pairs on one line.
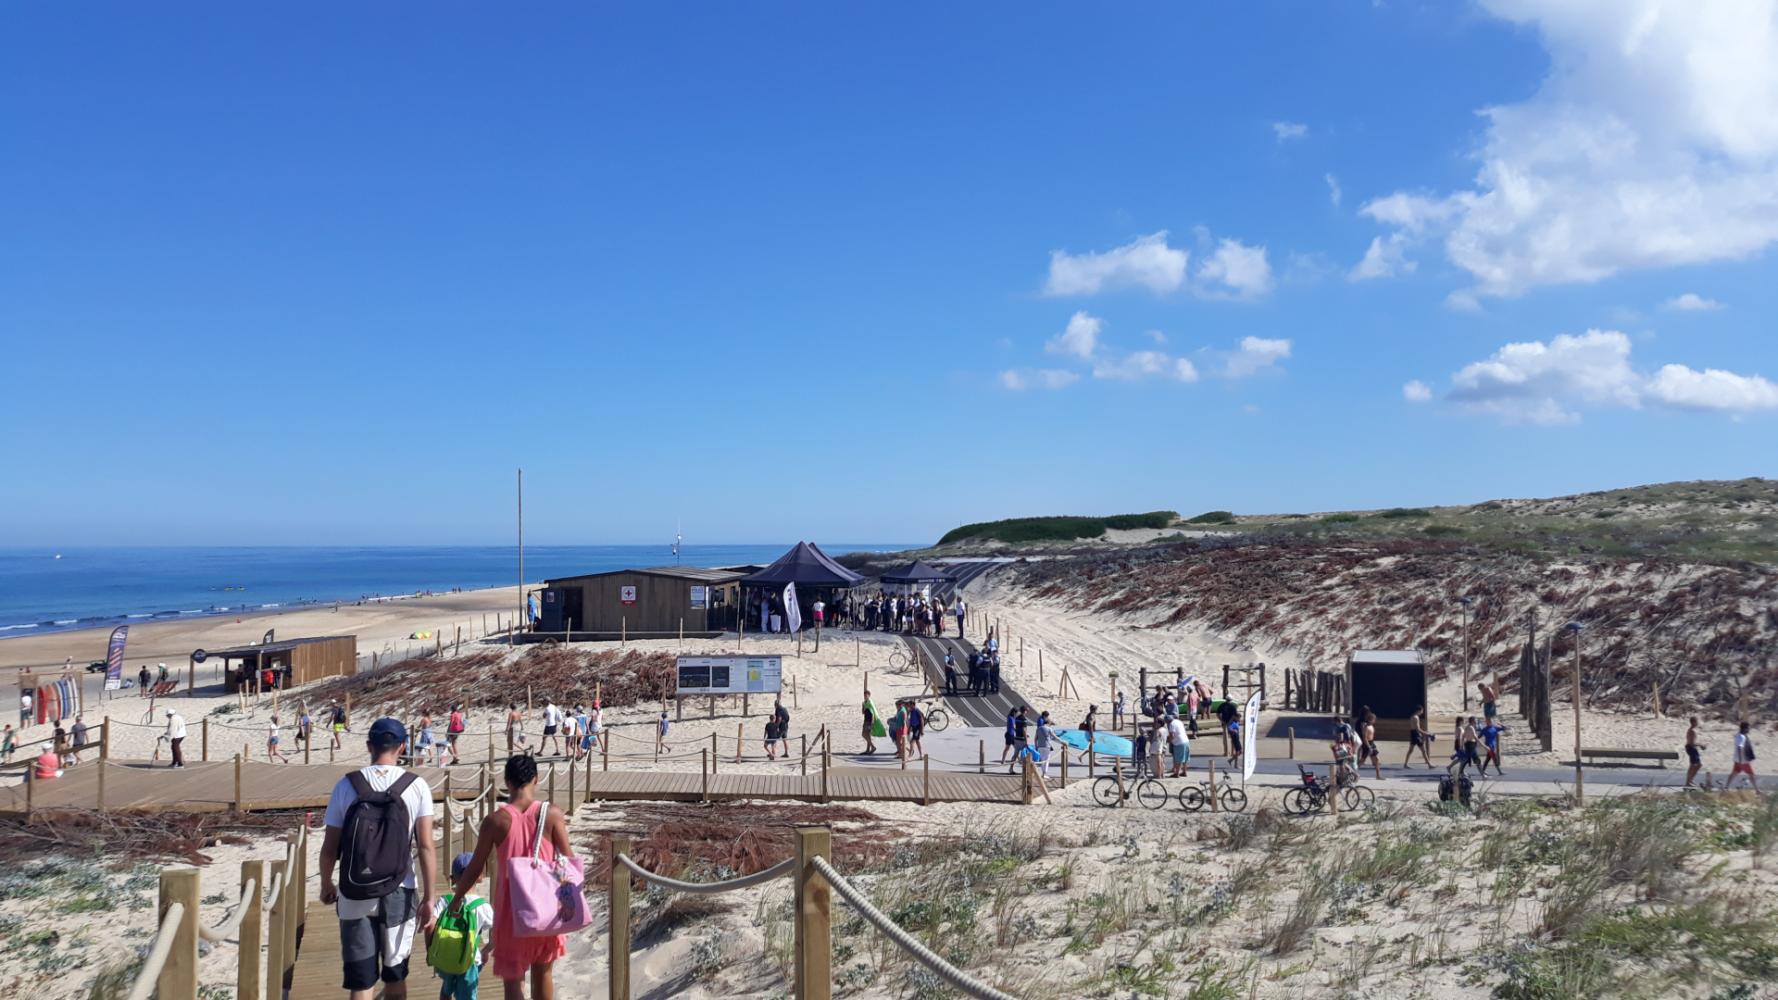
{"points": [[329, 275]]}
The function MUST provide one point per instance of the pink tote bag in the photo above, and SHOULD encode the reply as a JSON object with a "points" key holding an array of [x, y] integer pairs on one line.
{"points": [[546, 896]]}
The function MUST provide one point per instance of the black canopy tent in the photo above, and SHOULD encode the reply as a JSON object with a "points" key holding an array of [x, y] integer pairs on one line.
{"points": [[816, 577], [915, 577]]}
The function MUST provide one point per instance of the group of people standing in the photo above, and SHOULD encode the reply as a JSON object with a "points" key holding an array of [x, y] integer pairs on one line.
{"points": [[909, 614]]}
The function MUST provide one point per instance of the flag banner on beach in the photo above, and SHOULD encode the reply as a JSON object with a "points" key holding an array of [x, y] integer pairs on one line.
{"points": [[793, 615], [114, 658], [268, 637], [1250, 733]]}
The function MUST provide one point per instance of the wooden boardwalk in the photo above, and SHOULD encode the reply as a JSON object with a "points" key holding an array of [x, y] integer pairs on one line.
{"points": [[211, 787]]}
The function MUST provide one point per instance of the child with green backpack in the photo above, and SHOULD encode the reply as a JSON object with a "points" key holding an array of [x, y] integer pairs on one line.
{"points": [[460, 944]]}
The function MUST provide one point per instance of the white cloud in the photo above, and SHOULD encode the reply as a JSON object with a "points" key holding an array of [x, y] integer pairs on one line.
{"points": [[1256, 355], [1157, 336], [1416, 391], [1018, 379], [1711, 389], [1146, 262], [1651, 143], [1386, 258], [1238, 269], [1146, 364], [1286, 131], [1334, 194], [1080, 339], [1547, 383], [1691, 302]]}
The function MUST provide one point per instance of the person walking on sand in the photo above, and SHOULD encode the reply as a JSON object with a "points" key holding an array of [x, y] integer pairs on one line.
{"points": [[423, 742], [336, 721], [870, 724], [552, 720], [506, 835], [271, 742], [1694, 752], [1490, 734], [1047, 742], [1179, 744], [782, 714], [515, 729], [142, 681], [960, 611], [1367, 744], [1012, 718], [176, 737], [1418, 738], [916, 729], [1743, 759], [8, 741], [1117, 711], [660, 733], [1490, 702], [455, 728], [1021, 727], [376, 816], [1467, 747]]}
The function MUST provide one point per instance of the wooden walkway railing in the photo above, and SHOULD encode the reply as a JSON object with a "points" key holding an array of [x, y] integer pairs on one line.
{"points": [[261, 920]]}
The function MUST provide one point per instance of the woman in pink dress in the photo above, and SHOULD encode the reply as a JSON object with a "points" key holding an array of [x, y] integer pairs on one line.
{"points": [[508, 833]]}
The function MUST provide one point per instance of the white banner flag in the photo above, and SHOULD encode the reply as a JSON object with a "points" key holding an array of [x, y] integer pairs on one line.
{"points": [[793, 615], [1250, 736]]}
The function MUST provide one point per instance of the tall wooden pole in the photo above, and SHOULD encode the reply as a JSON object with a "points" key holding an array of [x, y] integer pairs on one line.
{"points": [[1579, 781], [618, 948], [814, 916]]}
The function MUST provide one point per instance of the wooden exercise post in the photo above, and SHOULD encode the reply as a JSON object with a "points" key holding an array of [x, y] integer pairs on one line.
{"points": [[618, 906], [247, 973], [814, 916], [179, 976]]}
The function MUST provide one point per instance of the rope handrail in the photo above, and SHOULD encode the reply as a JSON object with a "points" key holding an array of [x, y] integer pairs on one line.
{"points": [[952, 975], [221, 932], [779, 870], [149, 977]]}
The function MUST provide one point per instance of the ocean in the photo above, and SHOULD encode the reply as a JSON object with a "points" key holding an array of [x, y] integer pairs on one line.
{"points": [[43, 590]]}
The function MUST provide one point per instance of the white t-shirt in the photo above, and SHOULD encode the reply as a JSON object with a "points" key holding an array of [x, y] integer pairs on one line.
{"points": [[175, 727], [1176, 733], [1743, 747], [552, 716], [417, 798], [484, 917]]}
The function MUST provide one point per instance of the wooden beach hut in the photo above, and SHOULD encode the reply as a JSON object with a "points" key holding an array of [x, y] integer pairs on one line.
{"points": [[656, 601], [295, 661], [1392, 682]]}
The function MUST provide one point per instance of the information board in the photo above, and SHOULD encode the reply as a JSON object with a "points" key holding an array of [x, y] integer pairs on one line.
{"points": [[730, 674], [698, 598]]}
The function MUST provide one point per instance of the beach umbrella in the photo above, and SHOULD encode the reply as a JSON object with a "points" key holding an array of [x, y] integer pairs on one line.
{"points": [[1105, 743]]}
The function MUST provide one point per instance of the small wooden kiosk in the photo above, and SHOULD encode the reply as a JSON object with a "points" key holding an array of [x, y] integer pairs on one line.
{"points": [[1392, 682], [293, 661]]}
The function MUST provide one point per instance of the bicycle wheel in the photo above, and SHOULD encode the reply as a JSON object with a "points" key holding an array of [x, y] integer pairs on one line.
{"points": [[1151, 793], [1299, 801], [937, 720], [1358, 797], [897, 659], [1191, 798], [1105, 792], [1232, 799]]}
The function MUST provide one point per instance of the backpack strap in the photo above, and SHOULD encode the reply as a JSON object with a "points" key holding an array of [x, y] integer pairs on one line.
{"points": [[542, 818], [360, 785]]}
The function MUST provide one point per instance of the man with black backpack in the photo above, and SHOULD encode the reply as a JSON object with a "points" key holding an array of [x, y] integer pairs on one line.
{"points": [[375, 818]]}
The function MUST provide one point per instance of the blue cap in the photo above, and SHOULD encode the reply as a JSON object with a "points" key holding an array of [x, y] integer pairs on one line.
{"points": [[460, 863], [387, 732]]}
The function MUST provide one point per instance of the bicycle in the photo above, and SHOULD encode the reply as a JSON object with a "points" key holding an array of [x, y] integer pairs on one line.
{"points": [[898, 660], [936, 718], [1311, 795], [1149, 792], [1228, 797]]}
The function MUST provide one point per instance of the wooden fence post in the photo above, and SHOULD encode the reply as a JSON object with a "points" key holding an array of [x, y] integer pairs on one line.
{"points": [[101, 766], [618, 905], [444, 848], [704, 773], [738, 736], [814, 916], [247, 977], [237, 804], [1292, 732], [925, 780], [204, 743], [1214, 807], [179, 977]]}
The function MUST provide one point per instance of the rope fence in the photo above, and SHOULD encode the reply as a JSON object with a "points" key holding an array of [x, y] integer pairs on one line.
{"points": [[170, 971], [817, 881]]}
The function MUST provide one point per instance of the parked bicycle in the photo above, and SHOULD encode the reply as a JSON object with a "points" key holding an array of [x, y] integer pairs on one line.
{"points": [[1229, 798], [936, 718], [1150, 793], [1311, 795]]}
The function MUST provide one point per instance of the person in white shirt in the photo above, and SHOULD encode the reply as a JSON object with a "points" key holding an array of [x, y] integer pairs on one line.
{"points": [[25, 705], [377, 934], [1180, 744], [176, 737], [552, 718], [1743, 759], [271, 743]]}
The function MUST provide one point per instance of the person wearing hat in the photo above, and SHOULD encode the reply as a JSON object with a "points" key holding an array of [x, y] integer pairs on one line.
{"points": [[378, 920], [176, 736], [463, 987]]}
